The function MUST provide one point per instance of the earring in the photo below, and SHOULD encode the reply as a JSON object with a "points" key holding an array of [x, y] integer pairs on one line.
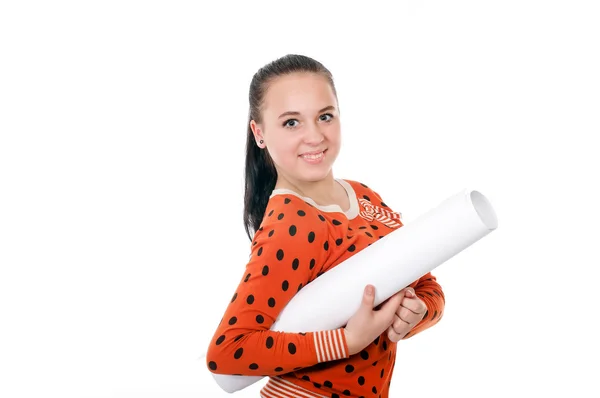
{"points": [[261, 141]]}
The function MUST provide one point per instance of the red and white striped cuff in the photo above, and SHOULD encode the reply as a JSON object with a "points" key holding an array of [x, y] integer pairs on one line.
{"points": [[329, 345], [277, 387]]}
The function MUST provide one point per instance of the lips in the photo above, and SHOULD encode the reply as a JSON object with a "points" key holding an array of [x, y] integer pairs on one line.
{"points": [[313, 153]]}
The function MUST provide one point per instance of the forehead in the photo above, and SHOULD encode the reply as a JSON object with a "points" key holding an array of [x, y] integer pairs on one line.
{"points": [[301, 92]]}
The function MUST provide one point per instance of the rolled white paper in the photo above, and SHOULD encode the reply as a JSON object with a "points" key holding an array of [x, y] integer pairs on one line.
{"points": [[390, 264]]}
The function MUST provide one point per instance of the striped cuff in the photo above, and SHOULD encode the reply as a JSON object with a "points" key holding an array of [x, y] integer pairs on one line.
{"points": [[330, 345]]}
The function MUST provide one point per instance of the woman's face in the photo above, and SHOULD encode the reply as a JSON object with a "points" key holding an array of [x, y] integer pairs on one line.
{"points": [[300, 116]]}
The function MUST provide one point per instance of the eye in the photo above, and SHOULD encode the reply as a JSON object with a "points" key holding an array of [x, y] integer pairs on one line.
{"points": [[327, 114], [285, 124]]}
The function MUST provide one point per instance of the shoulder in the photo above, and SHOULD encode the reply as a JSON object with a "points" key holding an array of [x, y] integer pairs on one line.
{"points": [[370, 198], [291, 212], [364, 191], [293, 225]]}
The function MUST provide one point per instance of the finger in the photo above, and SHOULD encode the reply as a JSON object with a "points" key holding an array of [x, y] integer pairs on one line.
{"points": [[368, 297], [393, 336], [388, 310], [416, 305], [408, 316], [400, 325], [409, 292]]}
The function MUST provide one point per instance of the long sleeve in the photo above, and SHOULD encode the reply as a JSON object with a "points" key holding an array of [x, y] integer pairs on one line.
{"points": [[287, 253], [428, 290]]}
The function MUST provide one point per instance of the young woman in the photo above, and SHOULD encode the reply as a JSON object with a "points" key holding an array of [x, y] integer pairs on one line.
{"points": [[304, 222]]}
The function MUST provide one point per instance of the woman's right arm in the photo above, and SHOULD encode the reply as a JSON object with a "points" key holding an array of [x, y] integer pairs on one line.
{"points": [[285, 255]]}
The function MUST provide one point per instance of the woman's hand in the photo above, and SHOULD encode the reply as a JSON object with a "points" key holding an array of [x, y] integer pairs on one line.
{"points": [[367, 323], [410, 312]]}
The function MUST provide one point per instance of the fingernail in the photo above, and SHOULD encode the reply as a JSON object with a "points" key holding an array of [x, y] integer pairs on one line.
{"points": [[369, 290]]}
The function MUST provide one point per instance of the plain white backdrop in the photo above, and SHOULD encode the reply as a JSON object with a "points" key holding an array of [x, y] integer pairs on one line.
{"points": [[122, 134]]}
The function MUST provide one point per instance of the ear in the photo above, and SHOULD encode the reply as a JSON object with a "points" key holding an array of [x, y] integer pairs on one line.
{"points": [[256, 130]]}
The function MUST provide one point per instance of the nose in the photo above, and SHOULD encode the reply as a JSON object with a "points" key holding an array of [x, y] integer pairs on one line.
{"points": [[313, 135]]}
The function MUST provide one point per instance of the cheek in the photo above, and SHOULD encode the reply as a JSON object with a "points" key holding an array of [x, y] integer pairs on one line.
{"points": [[284, 151]]}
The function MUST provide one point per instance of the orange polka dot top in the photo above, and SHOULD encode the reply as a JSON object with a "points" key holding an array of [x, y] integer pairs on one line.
{"points": [[299, 240]]}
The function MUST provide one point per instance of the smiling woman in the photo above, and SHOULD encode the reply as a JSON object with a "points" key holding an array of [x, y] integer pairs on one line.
{"points": [[305, 222]]}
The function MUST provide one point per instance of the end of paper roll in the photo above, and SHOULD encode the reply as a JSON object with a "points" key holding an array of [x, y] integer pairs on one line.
{"points": [[484, 208]]}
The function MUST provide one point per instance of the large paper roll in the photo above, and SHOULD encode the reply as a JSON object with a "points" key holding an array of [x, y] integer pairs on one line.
{"points": [[394, 262]]}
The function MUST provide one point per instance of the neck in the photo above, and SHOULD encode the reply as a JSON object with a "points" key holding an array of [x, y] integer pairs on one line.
{"points": [[322, 191]]}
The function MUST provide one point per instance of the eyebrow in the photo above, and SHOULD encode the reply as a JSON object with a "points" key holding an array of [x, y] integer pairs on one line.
{"points": [[327, 108]]}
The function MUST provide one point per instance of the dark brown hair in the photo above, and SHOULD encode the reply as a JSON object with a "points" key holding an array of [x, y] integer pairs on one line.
{"points": [[260, 172]]}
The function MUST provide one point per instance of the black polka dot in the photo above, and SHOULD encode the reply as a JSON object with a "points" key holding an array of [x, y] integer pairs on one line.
{"points": [[312, 263], [305, 377], [271, 232], [271, 302], [232, 320], [270, 213], [374, 390], [238, 337], [292, 348], [278, 369], [346, 392], [293, 230], [238, 353], [285, 285], [326, 245], [234, 297], [311, 237], [334, 395], [220, 339], [364, 355], [363, 185], [375, 227], [280, 216], [295, 264], [384, 205], [316, 384], [269, 342], [336, 222], [253, 366], [327, 383], [374, 363], [362, 227], [321, 218], [367, 198], [265, 270], [247, 277], [381, 374], [287, 200], [250, 299], [339, 241], [212, 365], [301, 213], [384, 344], [361, 380], [376, 341], [351, 248], [300, 287], [349, 368], [260, 319], [368, 234], [279, 254], [260, 250]]}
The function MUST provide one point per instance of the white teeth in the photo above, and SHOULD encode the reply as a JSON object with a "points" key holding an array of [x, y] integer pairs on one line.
{"points": [[313, 157]]}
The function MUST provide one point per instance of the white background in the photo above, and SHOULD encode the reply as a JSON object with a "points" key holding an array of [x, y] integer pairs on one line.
{"points": [[121, 169]]}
